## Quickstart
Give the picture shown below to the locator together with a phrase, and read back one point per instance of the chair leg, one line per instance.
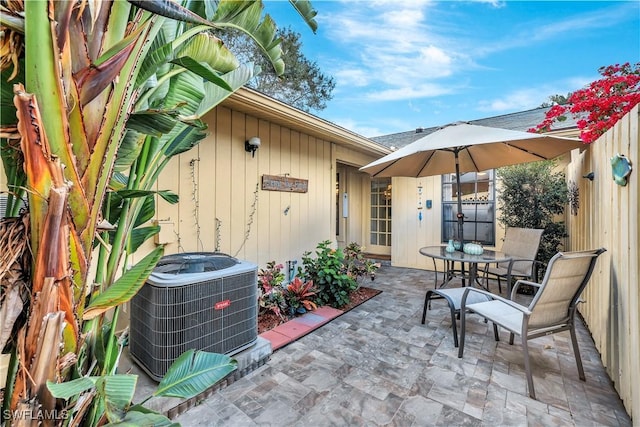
(511, 336)
(527, 368)
(426, 304)
(495, 332)
(453, 325)
(576, 352)
(499, 285)
(462, 331)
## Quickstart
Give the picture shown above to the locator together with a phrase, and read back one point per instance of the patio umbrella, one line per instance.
(462, 147)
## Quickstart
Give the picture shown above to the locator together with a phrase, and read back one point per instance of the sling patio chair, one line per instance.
(522, 244)
(552, 309)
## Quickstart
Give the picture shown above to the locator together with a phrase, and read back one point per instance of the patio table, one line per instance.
(450, 258)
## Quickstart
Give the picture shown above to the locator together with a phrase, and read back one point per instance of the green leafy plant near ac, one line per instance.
(327, 270)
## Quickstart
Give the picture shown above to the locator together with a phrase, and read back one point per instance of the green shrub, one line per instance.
(532, 195)
(328, 272)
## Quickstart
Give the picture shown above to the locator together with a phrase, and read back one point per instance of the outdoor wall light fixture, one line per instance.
(589, 176)
(252, 145)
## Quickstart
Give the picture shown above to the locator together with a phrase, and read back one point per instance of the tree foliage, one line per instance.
(599, 105)
(556, 100)
(532, 196)
(302, 85)
(97, 97)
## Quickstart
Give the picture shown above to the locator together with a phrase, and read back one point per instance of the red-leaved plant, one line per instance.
(298, 296)
(270, 289)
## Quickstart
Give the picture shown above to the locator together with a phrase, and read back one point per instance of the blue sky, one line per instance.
(401, 64)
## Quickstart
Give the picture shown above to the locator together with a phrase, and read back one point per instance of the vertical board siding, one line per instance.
(221, 213)
(206, 191)
(608, 217)
(409, 233)
(225, 178)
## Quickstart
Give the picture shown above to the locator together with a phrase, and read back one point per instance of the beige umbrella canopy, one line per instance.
(462, 147)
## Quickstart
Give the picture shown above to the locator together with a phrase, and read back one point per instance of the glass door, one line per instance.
(380, 217)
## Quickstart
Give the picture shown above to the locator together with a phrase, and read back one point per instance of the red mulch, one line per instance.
(268, 320)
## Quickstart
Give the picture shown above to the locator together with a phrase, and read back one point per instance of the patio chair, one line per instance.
(453, 296)
(522, 244)
(552, 309)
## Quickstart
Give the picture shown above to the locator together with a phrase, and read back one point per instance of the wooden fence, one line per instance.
(608, 217)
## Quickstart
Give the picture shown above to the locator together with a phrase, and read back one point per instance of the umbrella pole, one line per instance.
(460, 215)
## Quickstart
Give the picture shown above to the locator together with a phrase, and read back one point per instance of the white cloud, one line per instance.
(420, 90)
(350, 77)
(533, 97)
(359, 128)
(397, 55)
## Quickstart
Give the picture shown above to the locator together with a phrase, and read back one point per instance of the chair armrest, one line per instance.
(523, 282)
(513, 304)
(533, 262)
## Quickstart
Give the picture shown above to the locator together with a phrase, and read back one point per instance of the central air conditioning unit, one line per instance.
(202, 301)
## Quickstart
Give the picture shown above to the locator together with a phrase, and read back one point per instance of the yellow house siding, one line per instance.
(409, 234)
(608, 217)
(218, 216)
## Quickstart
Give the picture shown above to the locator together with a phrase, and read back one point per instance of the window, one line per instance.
(478, 206)
(380, 233)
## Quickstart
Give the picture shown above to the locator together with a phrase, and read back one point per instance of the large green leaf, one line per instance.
(123, 289)
(140, 235)
(146, 212)
(153, 122)
(129, 150)
(307, 12)
(117, 392)
(194, 372)
(68, 389)
(187, 91)
(167, 195)
(187, 138)
(246, 16)
(209, 49)
(199, 69)
(214, 94)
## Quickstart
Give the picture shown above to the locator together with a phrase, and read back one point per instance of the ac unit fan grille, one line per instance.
(218, 315)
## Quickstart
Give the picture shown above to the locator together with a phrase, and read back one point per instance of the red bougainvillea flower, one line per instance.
(601, 104)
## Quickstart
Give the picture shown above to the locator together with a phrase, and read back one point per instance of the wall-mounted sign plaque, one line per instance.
(284, 183)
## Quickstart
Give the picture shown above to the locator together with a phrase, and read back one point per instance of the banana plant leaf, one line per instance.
(123, 289)
(194, 372)
(208, 49)
(140, 235)
(167, 195)
(153, 122)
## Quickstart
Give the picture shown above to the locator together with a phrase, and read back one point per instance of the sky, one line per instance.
(403, 64)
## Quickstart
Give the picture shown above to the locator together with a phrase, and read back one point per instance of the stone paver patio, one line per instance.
(377, 365)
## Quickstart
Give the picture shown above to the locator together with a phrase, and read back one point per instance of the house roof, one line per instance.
(262, 106)
(522, 121)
